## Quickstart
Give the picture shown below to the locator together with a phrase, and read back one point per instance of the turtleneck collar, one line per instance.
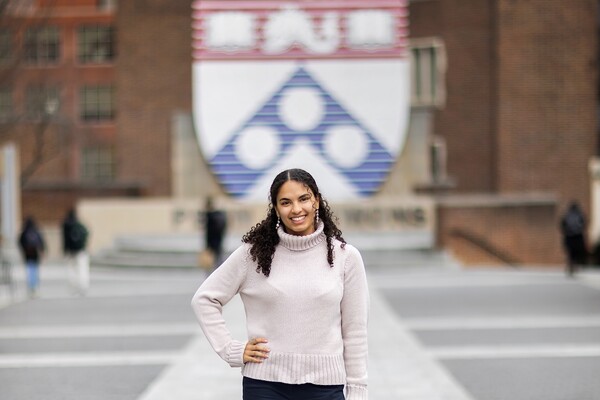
(298, 243)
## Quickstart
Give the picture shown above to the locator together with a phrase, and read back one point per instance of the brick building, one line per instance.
(520, 117)
(507, 91)
(57, 94)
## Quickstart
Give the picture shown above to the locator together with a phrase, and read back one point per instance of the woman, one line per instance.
(306, 300)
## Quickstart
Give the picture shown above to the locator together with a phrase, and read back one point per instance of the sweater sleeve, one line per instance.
(214, 293)
(355, 308)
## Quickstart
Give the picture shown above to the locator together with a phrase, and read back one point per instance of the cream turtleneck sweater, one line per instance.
(313, 315)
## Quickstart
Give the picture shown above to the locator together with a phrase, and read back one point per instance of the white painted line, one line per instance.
(86, 359)
(98, 293)
(441, 282)
(590, 280)
(74, 331)
(533, 322)
(121, 276)
(502, 352)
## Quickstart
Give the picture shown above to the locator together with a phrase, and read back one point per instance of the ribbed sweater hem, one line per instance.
(320, 369)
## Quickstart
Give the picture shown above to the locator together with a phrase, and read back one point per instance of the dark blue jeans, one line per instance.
(254, 389)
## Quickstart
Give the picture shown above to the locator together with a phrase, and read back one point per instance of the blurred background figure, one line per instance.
(215, 226)
(572, 226)
(31, 243)
(75, 236)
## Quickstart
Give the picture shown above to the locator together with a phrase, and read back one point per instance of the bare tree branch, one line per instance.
(16, 16)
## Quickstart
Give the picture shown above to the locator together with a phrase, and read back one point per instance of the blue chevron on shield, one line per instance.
(319, 85)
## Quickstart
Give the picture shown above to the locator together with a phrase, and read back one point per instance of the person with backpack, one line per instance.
(215, 225)
(572, 226)
(32, 245)
(75, 236)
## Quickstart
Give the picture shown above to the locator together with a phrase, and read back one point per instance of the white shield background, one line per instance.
(227, 94)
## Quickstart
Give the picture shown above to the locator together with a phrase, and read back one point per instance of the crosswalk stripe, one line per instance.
(94, 359)
(525, 322)
(503, 352)
(73, 331)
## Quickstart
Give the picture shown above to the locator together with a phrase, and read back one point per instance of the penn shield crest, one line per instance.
(319, 85)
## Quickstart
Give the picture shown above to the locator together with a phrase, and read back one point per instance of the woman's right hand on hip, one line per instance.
(255, 351)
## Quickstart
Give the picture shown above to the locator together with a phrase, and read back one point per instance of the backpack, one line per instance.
(573, 224)
(31, 243)
(31, 239)
(78, 235)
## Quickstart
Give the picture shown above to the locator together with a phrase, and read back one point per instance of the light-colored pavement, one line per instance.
(398, 366)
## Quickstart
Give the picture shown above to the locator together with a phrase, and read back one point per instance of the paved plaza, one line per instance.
(437, 331)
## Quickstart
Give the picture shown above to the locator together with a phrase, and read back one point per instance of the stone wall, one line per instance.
(377, 224)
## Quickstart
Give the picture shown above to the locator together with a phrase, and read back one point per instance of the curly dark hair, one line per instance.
(263, 236)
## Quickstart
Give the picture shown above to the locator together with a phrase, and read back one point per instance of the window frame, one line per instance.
(93, 111)
(98, 164)
(86, 57)
(7, 108)
(42, 45)
(6, 45)
(428, 72)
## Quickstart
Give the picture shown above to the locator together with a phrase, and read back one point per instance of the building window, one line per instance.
(98, 164)
(96, 44)
(107, 4)
(6, 104)
(42, 45)
(5, 46)
(428, 69)
(97, 103)
(41, 102)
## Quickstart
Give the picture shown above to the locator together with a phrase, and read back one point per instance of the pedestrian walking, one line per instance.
(75, 236)
(305, 294)
(215, 226)
(32, 245)
(572, 226)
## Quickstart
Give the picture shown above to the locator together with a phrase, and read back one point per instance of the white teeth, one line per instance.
(297, 218)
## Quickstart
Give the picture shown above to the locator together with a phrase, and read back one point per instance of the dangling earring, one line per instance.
(317, 217)
(278, 223)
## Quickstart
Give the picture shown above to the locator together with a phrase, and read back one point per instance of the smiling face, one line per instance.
(296, 205)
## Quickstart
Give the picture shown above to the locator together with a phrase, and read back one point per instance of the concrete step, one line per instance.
(120, 258)
(181, 250)
(403, 258)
